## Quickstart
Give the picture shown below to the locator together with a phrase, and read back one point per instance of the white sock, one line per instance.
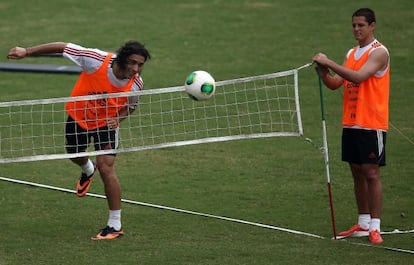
(88, 168)
(115, 219)
(364, 220)
(375, 224)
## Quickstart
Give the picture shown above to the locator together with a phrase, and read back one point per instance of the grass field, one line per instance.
(279, 182)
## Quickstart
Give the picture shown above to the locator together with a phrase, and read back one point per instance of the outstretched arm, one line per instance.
(52, 47)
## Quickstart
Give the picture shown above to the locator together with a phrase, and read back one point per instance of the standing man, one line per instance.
(98, 119)
(365, 76)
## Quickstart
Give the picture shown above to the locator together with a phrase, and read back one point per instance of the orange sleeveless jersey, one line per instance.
(92, 114)
(366, 104)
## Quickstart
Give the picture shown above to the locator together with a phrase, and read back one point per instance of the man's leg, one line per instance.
(77, 142)
(368, 193)
(373, 177)
(106, 167)
(360, 188)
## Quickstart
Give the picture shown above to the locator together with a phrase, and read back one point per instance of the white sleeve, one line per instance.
(137, 86)
(88, 59)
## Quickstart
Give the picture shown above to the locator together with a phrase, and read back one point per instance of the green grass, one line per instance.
(278, 181)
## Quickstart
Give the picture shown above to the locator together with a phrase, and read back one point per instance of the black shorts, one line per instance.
(78, 139)
(361, 146)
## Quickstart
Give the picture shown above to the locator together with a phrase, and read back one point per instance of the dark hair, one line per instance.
(367, 13)
(131, 47)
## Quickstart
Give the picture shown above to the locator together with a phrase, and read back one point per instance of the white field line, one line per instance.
(396, 231)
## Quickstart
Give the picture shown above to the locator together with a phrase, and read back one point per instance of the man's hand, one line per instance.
(112, 123)
(17, 53)
(320, 68)
(321, 59)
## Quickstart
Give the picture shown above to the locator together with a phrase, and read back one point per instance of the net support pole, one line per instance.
(326, 157)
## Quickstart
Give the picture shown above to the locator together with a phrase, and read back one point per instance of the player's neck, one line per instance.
(367, 41)
(119, 74)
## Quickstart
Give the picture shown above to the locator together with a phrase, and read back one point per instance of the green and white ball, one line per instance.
(200, 85)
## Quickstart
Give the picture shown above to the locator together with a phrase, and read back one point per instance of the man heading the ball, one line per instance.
(98, 119)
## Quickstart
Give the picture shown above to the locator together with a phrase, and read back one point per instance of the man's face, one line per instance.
(361, 29)
(134, 65)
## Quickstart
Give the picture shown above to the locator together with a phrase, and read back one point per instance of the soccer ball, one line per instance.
(200, 85)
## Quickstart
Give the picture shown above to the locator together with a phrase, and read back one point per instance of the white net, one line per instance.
(252, 107)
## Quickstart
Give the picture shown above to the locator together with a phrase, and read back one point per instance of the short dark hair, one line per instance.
(131, 47)
(367, 13)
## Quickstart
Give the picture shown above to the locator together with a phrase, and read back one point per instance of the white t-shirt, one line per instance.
(91, 59)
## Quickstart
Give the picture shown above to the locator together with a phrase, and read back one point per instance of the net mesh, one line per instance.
(252, 107)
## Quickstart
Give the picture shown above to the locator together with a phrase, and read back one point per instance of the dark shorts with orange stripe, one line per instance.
(362, 146)
(78, 139)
